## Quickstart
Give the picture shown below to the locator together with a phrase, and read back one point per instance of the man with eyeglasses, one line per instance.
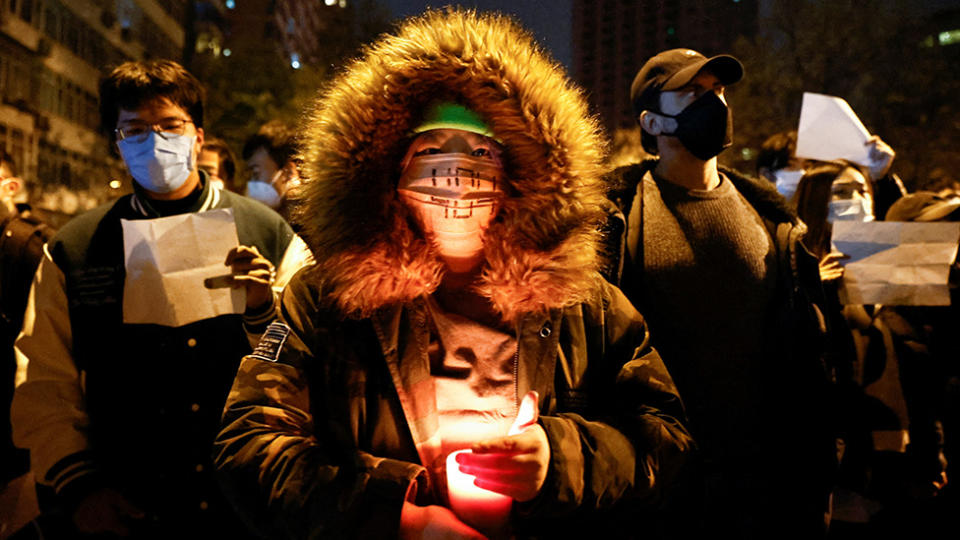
(120, 417)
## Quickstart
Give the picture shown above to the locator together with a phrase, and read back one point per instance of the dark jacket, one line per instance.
(22, 236)
(324, 433)
(334, 417)
(131, 406)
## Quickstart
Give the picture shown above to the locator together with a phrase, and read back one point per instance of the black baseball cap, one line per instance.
(675, 68)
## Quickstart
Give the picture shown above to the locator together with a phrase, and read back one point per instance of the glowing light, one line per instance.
(295, 61)
(949, 37)
(330, 2)
(231, 4)
(115, 184)
(482, 508)
(227, 52)
(343, 3)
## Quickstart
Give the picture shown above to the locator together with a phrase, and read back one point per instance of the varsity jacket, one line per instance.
(334, 416)
(130, 406)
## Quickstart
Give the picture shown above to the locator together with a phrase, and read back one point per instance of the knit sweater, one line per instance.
(709, 281)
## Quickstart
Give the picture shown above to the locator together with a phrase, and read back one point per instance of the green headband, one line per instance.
(447, 115)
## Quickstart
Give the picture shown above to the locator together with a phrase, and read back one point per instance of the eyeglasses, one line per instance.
(164, 128)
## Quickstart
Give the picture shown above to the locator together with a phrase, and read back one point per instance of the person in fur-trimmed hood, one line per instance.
(452, 195)
(715, 261)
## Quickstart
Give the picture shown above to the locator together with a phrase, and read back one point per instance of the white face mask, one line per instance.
(787, 181)
(264, 192)
(855, 209)
(453, 197)
(161, 163)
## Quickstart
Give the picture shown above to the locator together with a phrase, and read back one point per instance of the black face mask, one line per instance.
(705, 127)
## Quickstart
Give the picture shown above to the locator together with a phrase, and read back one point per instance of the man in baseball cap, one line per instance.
(713, 259)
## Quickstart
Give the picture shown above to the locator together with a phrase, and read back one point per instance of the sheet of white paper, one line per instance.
(896, 263)
(829, 130)
(167, 260)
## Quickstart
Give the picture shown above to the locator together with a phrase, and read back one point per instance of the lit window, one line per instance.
(950, 37)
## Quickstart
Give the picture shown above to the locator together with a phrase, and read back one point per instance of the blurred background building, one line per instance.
(613, 38)
(893, 60)
(52, 55)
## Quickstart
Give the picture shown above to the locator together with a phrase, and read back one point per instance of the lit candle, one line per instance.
(483, 509)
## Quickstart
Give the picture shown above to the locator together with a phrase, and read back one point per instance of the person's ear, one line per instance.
(199, 144)
(655, 124)
(9, 187)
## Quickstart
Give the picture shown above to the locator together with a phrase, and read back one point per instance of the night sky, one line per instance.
(549, 20)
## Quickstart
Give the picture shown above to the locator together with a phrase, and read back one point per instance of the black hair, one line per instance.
(134, 84)
(228, 160)
(777, 150)
(277, 139)
(812, 201)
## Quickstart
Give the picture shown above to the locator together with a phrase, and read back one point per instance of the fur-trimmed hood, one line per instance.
(540, 250)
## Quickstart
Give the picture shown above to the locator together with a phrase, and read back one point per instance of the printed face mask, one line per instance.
(161, 163)
(264, 192)
(453, 198)
(787, 181)
(705, 127)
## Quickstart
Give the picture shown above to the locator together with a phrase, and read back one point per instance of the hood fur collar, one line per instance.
(541, 249)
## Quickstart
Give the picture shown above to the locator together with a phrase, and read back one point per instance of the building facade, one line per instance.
(52, 56)
(613, 38)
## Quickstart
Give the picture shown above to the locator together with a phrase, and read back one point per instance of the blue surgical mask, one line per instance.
(161, 163)
(263, 192)
(787, 181)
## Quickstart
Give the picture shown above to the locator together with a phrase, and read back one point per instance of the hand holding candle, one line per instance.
(515, 465)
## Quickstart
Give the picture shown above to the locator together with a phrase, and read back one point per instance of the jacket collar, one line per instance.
(761, 195)
(209, 199)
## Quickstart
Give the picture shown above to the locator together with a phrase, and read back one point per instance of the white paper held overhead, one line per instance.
(830, 130)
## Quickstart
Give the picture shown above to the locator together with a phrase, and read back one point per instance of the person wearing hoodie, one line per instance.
(714, 260)
(453, 186)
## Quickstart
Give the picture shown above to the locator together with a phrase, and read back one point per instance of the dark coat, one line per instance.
(333, 418)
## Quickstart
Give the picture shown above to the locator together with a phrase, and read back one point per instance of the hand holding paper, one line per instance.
(515, 465)
(881, 157)
(254, 272)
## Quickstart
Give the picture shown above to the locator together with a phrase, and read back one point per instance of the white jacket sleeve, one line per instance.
(48, 413)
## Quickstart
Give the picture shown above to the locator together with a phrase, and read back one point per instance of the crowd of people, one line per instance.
(442, 274)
